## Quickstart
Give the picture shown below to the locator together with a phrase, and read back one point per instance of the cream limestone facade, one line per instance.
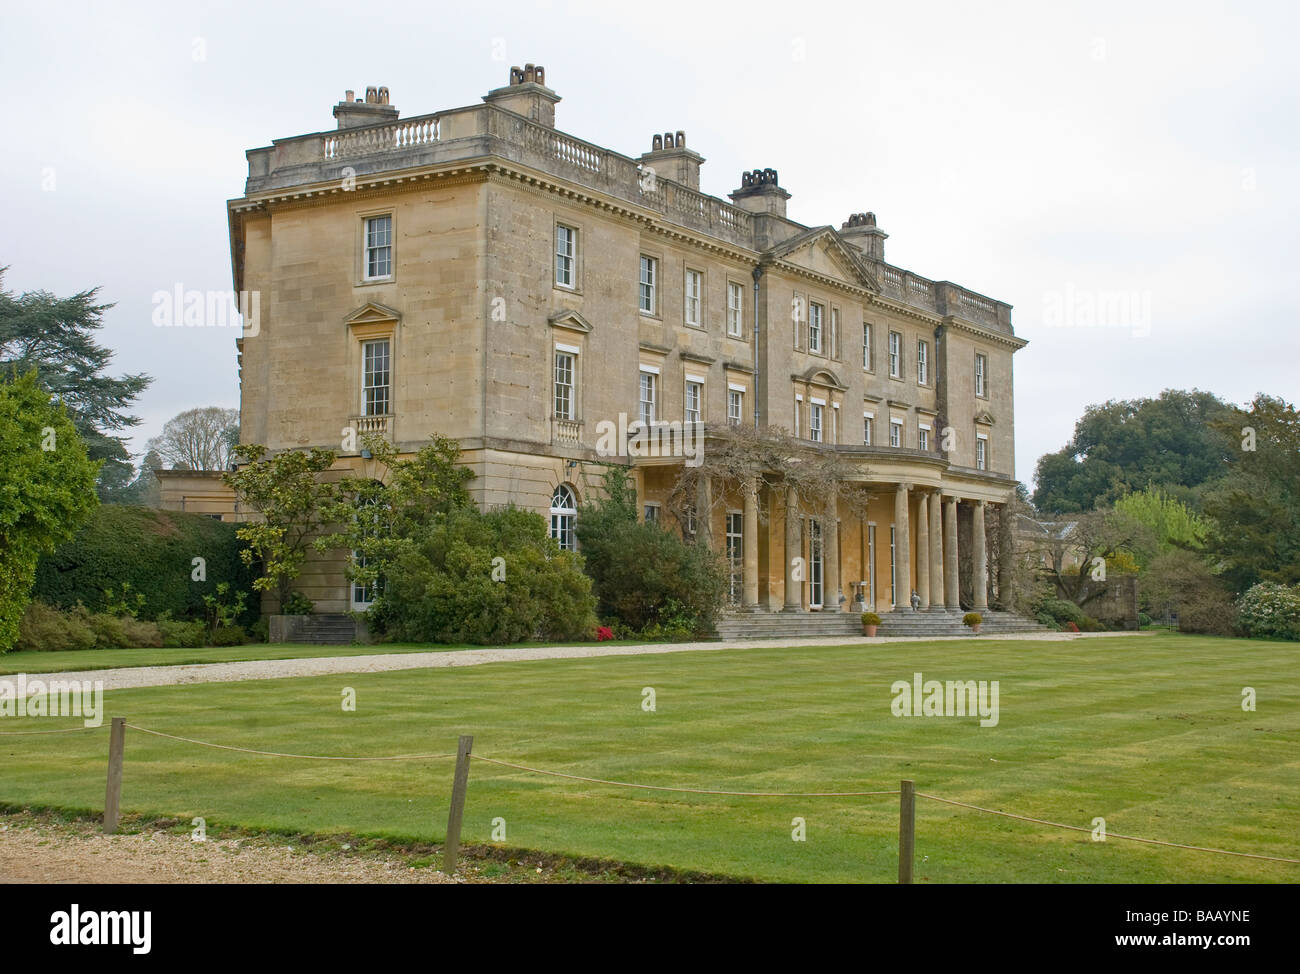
(480, 274)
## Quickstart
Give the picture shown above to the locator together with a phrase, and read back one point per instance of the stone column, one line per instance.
(704, 511)
(981, 561)
(831, 557)
(902, 544)
(923, 549)
(936, 553)
(793, 590)
(951, 590)
(750, 548)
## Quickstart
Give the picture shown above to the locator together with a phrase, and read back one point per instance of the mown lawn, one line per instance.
(1146, 731)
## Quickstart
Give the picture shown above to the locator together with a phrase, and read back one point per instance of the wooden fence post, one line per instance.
(906, 831)
(113, 794)
(451, 849)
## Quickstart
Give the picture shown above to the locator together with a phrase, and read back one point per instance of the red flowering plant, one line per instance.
(603, 633)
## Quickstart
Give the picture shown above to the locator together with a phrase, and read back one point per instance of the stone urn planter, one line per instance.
(974, 620)
(869, 622)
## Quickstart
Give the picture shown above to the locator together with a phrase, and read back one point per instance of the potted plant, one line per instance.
(869, 622)
(973, 619)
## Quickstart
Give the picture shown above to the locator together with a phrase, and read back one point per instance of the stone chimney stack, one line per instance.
(860, 230)
(759, 193)
(527, 95)
(352, 112)
(669, 158)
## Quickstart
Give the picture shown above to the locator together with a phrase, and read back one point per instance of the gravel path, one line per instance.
(158, 676)
(57, 853)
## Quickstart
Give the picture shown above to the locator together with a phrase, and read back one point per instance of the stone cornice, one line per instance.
(959, 324)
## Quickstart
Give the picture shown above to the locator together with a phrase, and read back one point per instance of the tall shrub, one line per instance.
(643, 573)
(47, 485)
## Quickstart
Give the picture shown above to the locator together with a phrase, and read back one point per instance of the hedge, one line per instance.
(153, 552)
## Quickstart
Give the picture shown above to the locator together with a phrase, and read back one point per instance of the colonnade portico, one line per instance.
(923, 515)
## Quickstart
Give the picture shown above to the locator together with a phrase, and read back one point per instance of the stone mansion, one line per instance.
(479, 273)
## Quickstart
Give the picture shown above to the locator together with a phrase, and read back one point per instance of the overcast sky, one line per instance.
(1140, 158)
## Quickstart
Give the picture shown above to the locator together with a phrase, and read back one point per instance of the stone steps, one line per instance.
(325, 630)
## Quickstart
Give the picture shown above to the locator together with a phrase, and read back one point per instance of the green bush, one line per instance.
(229, 636)
(110, 631)
(643, 573)
(259, 632)
(46, 629)
(1061, 611)
(972, 619)
(181, 635)
(146, 553)
(1270, 611)
(447, 585)
(298, 604)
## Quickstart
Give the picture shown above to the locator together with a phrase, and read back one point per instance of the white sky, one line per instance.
(1045, 154)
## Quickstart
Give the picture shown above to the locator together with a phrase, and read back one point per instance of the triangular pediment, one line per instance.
(985, 418)
(822, 251)
(372, 311)
(570, 319)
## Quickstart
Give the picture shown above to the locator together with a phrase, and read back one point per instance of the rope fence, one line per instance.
(464, 753)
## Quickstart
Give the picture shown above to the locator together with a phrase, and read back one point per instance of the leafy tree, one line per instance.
(55, 338)
(286, 489)
(1256, 508)
(198, 439)
(1183, 583)
(47, 485)
(377, 520)
(642, 572)
(1100, 539)
(1169, 524)
(1172, 442)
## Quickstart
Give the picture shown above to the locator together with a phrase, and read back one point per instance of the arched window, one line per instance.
(370, 519)
(564, 513)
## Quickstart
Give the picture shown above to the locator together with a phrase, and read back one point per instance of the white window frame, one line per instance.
(693, 291)
(922, 362)
(564, 517)
(981, 451)
(868, 351)
(650, 512)
(735, 405)
(923, 437)
(895, 355)
(369, 372)
(816, 320)
(377, 244)
(648, 287)
(569, 387)
(566, 261)
(648, 395)
(735, 309)
(868, 428)
(815, 411)
(834, 347)
(697, 383)
(981, 375)
(895, 433)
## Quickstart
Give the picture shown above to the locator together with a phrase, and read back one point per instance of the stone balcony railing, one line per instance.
(567, 432)
(373, 426)
(484, 131)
